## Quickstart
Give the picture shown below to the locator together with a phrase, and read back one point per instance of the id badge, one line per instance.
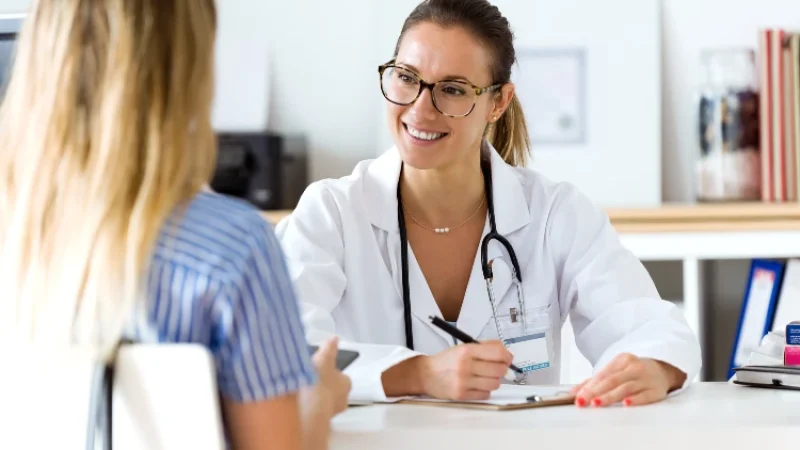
(530, 352)
(528, 337)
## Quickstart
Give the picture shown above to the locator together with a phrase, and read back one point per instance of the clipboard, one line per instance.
(507, 398)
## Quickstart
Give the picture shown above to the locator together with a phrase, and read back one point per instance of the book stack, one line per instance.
(779, 67)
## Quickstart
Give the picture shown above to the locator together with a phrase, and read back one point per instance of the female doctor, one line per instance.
(420, 232)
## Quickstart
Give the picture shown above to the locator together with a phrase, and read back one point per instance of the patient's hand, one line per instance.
(631, 380)
(321, 402)
(331, 392)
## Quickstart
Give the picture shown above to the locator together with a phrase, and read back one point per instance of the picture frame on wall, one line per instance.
(551, 83)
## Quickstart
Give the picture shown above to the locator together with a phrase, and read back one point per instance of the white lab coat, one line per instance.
(342, 246)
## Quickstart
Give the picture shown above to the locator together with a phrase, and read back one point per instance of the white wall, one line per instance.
(316, 61)
(13, 6)
(324, 79)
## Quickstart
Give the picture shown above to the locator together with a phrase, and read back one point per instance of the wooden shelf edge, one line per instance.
(702, 212)
(708, 226)
(775, 218)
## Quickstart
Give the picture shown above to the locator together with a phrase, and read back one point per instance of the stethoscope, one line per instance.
(486, 265)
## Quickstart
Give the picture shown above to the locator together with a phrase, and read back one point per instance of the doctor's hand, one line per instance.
(630, 380)
(466, 371)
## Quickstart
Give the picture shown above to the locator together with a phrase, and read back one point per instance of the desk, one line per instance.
(707, 415)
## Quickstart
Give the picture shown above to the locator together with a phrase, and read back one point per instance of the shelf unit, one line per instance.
(692, 235)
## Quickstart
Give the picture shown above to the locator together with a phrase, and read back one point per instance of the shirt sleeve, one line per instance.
(261, 350)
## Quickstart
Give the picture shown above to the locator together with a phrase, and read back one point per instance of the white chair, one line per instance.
(164, 397)
(48, 399)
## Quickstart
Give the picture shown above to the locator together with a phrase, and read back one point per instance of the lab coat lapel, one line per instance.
(512, 214)
(380, 191)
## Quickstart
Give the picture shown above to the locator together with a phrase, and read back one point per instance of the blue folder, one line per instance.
(758, 309)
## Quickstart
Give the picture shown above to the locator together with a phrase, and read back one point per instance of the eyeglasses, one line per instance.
(454, 98)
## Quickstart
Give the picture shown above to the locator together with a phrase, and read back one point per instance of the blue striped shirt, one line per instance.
(218, 278)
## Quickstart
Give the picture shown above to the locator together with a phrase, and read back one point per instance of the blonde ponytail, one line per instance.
(509, 135)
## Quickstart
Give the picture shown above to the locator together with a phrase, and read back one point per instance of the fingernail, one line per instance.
(596, 402)
(580, 401)
(626, 402)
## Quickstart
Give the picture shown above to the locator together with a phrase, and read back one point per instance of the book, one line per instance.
(779, 114)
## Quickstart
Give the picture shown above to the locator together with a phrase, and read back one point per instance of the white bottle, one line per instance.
(770, 352)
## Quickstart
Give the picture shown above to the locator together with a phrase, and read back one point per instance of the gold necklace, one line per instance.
(445, 229)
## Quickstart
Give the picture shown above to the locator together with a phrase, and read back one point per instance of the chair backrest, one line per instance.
(48, 398)
(165, 397)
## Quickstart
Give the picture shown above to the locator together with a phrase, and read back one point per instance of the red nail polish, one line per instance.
(596, 402)
(580, 401)
(626, 402)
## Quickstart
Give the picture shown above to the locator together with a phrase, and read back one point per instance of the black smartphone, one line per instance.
(343, 357)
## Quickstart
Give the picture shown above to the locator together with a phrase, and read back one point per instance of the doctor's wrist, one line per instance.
(405, 378)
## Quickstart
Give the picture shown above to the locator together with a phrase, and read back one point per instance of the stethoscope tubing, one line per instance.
(486, 266)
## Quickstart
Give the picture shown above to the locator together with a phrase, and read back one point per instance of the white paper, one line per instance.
(511, 394)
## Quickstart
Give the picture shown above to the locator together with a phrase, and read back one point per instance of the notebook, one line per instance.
(777, 377)
(507, 397)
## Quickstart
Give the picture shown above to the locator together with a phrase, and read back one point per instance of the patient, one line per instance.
(105, 228)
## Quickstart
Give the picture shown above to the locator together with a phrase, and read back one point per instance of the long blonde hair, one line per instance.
(104, 130)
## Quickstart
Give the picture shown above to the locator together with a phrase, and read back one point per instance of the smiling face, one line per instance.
(426, 138)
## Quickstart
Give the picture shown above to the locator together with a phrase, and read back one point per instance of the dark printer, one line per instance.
(267, 169)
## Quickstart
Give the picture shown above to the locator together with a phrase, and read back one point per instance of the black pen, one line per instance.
(461, 336)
